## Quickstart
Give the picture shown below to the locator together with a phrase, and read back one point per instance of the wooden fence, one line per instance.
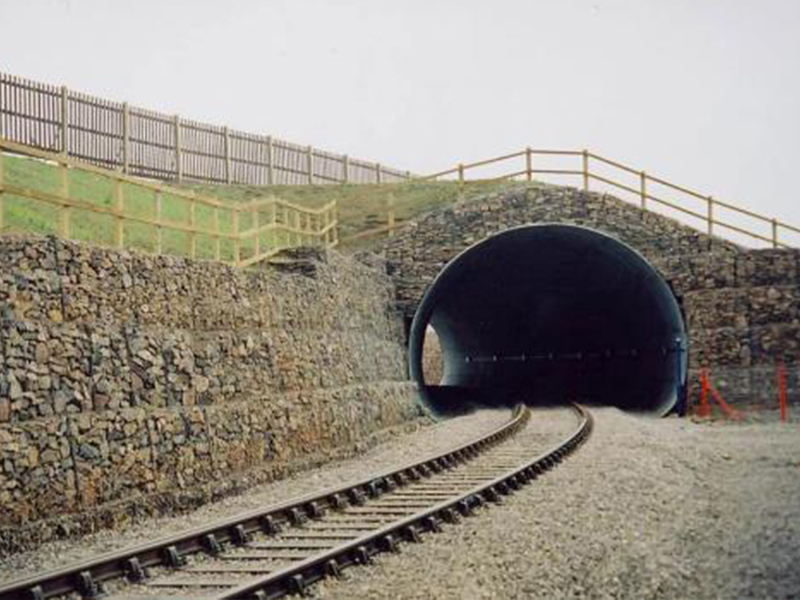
(702, 211)
(83, 202)
(149, 144)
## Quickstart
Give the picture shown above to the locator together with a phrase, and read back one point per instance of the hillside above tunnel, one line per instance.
(425, 245)
(740, 307)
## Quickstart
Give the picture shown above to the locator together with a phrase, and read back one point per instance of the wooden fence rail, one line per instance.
(751, 226)
(126, 212)
(149, 144)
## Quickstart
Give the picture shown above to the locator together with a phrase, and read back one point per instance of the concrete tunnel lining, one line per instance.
(550, 313)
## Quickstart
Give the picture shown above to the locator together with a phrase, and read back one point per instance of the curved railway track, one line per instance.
(284, 548)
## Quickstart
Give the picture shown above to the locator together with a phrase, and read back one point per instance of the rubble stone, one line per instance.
(131, 381)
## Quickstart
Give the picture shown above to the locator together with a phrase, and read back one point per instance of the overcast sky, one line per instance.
(703, 92)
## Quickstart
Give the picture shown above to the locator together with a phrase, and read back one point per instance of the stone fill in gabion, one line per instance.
(131, 382)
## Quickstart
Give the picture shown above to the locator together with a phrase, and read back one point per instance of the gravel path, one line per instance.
(646, 509)
(431, 438)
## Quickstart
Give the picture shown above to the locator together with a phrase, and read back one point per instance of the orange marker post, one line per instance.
(729, 411)
(782, 391)
(704, 409)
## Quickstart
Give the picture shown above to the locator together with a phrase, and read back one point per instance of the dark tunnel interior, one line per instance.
(546, 314)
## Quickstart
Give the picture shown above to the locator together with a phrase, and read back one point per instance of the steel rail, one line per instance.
(86, 577)
(295, 578)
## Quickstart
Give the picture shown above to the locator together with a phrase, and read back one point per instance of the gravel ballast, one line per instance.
(428, 439)
(646, 509)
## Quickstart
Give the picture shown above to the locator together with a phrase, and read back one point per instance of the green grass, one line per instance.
(364, 207)
(26, 215)
(360, 207)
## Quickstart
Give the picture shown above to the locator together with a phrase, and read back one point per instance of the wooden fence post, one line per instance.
(585, 170)
(529, 163)
(257, 250)
(237, 248)
(178, 158)
(273, 231)
(643, 189)
(159, 233)
(216, 232)
(774, 233)
(64, 120)
(310, 164)
(2, 107)
(346, 169)
(227, 140)
(270, 161)
(126, 138)
(710, 216)
(287, 235)
(119, 207)
(460, 173)
(324, 234)
(335, 228)
(390, 215)
(378, 178)
(192, 234)
(2, 202)
(313, 229)
(63, 210)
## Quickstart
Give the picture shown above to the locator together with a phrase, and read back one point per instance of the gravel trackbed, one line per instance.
(647, 508)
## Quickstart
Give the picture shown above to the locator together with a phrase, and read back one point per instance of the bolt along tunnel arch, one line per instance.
(550, 313)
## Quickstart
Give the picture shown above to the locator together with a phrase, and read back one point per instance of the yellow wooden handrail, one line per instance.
(642, 193)
(315, 226)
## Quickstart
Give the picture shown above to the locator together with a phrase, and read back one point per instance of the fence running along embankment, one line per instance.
(147, 143)
(82, 202)
(702, 211)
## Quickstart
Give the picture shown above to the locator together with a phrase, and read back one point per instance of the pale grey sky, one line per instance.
(703, 92)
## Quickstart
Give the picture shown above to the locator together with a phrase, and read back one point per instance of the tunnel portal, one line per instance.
(550, 313)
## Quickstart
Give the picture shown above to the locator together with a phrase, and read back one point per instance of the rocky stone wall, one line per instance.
(743, 316)
(742, 307)
(133, 383)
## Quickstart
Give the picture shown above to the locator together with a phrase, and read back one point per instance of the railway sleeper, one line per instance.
(239, 536)
(269, 525)
(173, 558)
(411, 534)
(389, 544)
(88, 588)
(295, 517)
(337, 502)
(332, 569)
(316, 509)
(211, 544)
(134, 571)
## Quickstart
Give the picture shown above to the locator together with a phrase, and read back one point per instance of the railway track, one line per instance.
(284, 548)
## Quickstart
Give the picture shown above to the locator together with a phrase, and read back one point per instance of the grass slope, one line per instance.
(24, 215)
(361, 207)
(365, 207)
